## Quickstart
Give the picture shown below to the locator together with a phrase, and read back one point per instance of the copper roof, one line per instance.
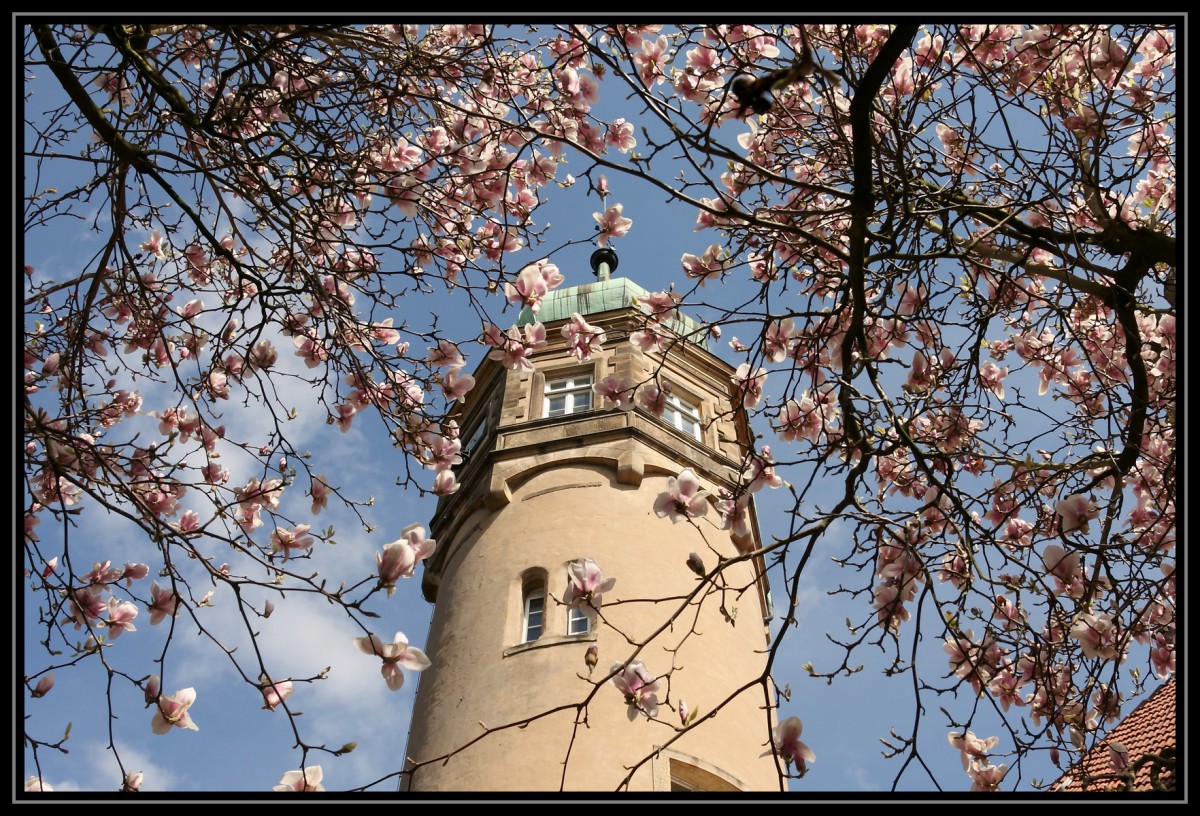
(603, 296)
(1149, 729)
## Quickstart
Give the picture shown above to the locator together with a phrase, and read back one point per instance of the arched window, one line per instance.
(688, 776)
(533, 609)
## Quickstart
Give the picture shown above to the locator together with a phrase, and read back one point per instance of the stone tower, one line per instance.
(551, 476)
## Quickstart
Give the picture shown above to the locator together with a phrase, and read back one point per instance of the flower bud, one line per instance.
(51, 364)
(43, 685)
(153, 689)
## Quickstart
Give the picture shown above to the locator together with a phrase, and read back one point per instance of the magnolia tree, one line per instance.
(949, 253)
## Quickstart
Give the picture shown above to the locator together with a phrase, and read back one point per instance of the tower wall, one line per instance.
(538, 492)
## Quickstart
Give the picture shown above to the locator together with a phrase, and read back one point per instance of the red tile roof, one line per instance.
(1149, 729)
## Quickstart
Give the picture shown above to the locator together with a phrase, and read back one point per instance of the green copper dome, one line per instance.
(607, 295)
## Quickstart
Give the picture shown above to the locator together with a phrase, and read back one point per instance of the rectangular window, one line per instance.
(569, 395)
(682, 415)
(577, 622)
(535, 612)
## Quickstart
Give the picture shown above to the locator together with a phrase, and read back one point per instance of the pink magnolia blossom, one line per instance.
(444, 483)
(649, 339)
(758, 471)
(801, 420)
(163, 602)
(87, 606)
(1100, 636)
(616, 393)
(132, 782)
(967, 660)
(276, 693)
(663, 304)
(1162, 655)
(652, 60)
(683, 499)
(399, 559)
(1005, 686)
(583, 339)
(749, 386)
(639, 686)
(34, 784)
(778, 340)
(442, 452)
(288, 541)
(395, 654)
(172, 710)
(320, 493)
(653, 398)
(301, 781)
(735, 514)
(532, 284)
(263, 494)
(1017, 533)
(31, 523)
(445, 355)
(712, 263)
(612, 224)
(116, 86)
(986, 777)
(1075, 511)
(120, 617)
(345, 416)
(971, 746)
(528, 290)
(586, 586)
(786, 739)
(1066, 569)
(507, 348)
(1007, 612)
(455, 384)
(959, 155)
(992, 378)
(1118, 756)
(154, 244)
(263, 355)
(103, 573)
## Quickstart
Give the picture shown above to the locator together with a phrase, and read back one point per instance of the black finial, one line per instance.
(604, 256)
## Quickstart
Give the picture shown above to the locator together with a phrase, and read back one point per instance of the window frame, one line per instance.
(572, 389)
(574, 616)
(534, 591)
(680, 411)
